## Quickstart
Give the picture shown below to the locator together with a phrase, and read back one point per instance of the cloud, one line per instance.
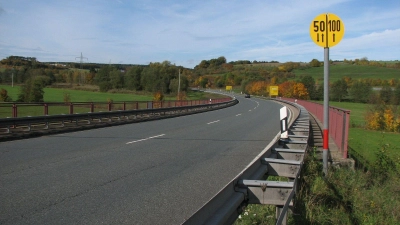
(188, 32)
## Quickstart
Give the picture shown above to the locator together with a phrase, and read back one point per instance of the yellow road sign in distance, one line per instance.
(327, 30)
(273, 90)
(228, 88)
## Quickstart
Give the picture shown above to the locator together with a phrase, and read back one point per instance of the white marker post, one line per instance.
(326, 30)
(283, 117)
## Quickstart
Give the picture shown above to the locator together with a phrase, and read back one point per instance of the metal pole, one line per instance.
(326, 112)
(179, 84)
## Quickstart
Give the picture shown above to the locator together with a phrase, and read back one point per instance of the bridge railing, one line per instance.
(338, 122)
(16, 109)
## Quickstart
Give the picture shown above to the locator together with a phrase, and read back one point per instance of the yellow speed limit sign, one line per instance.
(327, 30)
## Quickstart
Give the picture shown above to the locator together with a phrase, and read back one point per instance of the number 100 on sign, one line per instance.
(327, 30)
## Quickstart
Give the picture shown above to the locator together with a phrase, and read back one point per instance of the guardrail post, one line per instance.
(109, 106)
(46, 110)
(14, 111)
(124, 106)
(91, 107)
(278, 214)
(71, 108)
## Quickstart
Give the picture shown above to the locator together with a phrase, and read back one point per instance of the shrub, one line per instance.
(67, 97)
(4, 96)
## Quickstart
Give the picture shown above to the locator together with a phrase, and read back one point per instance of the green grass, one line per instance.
(346, 196)
(357, 114)
(367, 142)
(336, 72)
(57, 95)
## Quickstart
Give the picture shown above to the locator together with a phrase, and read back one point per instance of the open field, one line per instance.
(354, 71)
(367, 142)
(357, 112)
(57, 95)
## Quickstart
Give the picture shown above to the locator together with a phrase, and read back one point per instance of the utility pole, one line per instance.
(179, 84)
(12, 77)
(81, 61)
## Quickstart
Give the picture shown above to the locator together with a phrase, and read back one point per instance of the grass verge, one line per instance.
(346, 196)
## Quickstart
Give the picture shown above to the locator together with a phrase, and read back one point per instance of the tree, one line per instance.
(257, 88)
(204, 82)
(37, 91)
(360, 91)
(4, 96)
(315, 63)
(319, 92)
(300, 91)
(386, 94)
(286, 89)
(309, 83)
(116, 79)
(133, 77)
(103, 78)
(31, 91)
(396, 95)
(174, 83)
(339, 90)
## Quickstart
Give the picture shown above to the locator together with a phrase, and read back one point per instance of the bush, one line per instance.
(4, 96)
(31, 91)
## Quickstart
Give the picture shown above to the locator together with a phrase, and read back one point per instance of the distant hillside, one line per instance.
(355, 72)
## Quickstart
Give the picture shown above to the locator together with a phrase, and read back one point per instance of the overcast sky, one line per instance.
(188, 31)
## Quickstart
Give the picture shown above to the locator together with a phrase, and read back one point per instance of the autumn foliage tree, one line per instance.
(257, 88)
(292, 89)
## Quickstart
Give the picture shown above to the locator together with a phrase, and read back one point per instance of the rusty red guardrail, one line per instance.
(338, 122)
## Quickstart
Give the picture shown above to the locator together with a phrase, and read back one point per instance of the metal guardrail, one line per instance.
(18, 109)
(282, 157)
(47, 122)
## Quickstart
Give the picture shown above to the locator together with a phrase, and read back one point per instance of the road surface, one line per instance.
(157, 172)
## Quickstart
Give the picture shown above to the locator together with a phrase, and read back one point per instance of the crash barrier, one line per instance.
(338, 122)
(282, 157)
(65, 121)
(53, 108)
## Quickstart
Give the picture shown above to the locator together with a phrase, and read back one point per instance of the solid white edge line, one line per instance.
(145, 139)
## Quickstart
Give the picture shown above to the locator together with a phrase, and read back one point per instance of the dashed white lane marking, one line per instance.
(145, 139)
(213, 122)
(239, 114)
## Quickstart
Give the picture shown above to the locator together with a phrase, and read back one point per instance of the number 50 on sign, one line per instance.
(327, 30)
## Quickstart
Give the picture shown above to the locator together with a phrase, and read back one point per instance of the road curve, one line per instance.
(157, 172)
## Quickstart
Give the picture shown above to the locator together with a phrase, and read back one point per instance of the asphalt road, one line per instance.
(157, 172)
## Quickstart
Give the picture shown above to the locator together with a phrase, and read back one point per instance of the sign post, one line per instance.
(326, 30)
